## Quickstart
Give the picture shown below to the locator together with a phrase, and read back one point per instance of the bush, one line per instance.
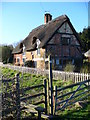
(69, 68)
(85, 68)
(6, 54)
(30, 63)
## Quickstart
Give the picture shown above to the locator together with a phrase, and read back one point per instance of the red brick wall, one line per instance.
(16, 57)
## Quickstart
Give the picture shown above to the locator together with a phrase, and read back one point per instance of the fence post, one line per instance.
(17, 97)
(50, 85)
(55, 98)
(45, 91)
(48, 96)
(54, 92)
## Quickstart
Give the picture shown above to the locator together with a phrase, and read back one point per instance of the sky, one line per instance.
(19, 18)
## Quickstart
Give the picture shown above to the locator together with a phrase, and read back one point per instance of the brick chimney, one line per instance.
(47, 18)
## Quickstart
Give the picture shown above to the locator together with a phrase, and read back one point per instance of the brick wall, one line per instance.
(18, 59)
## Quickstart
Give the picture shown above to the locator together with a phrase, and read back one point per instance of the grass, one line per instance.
(75, 114)
(27, 79)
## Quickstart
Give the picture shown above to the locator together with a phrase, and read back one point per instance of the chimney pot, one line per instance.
(47, 18)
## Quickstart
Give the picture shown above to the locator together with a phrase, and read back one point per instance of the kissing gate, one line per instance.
(55, 98)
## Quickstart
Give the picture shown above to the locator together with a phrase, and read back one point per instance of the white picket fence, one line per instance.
(76, 77)
(57, 75)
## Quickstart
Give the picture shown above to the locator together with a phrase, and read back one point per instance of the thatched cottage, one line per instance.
(56, 37)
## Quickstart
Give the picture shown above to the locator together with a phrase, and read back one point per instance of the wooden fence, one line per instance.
(9, 93)
(57, 75)
(13, 96)
(66, 96)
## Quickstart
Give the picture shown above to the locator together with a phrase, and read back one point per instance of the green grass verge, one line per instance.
(27, 80)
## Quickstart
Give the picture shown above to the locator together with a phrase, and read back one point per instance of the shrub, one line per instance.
(30, 63)
(85, 67)
(69, 68)
(78, 64)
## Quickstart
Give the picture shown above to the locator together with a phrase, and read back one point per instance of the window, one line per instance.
(14, 59)
(34, 40)
(52, 61)
(18, 60)
(24, 60)
(21, 45)
(65, 41)
(73, 61)
(57, 61)
(32, 55)
(35, 62)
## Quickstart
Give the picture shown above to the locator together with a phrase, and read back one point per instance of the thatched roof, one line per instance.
(87, 54)
(44, 33)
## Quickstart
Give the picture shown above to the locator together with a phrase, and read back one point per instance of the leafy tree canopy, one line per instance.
(85, 38)
(6, 53)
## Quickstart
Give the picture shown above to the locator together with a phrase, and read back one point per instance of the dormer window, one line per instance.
(34, 40)
(38, 49)
(38, 43)
(21, 45)
(23, 48)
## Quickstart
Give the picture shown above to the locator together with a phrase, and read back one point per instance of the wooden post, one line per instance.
(55, 88)
(54, 99)
(50, 85)
(17, 97)
(48, 96)
(45, 91)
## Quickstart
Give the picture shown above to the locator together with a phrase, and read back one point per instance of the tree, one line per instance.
(0, 54)
(16, 43)
(6, 54)
(85, 38)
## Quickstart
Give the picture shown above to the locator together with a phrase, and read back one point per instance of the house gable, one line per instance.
(66, 30)
(64, 44)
